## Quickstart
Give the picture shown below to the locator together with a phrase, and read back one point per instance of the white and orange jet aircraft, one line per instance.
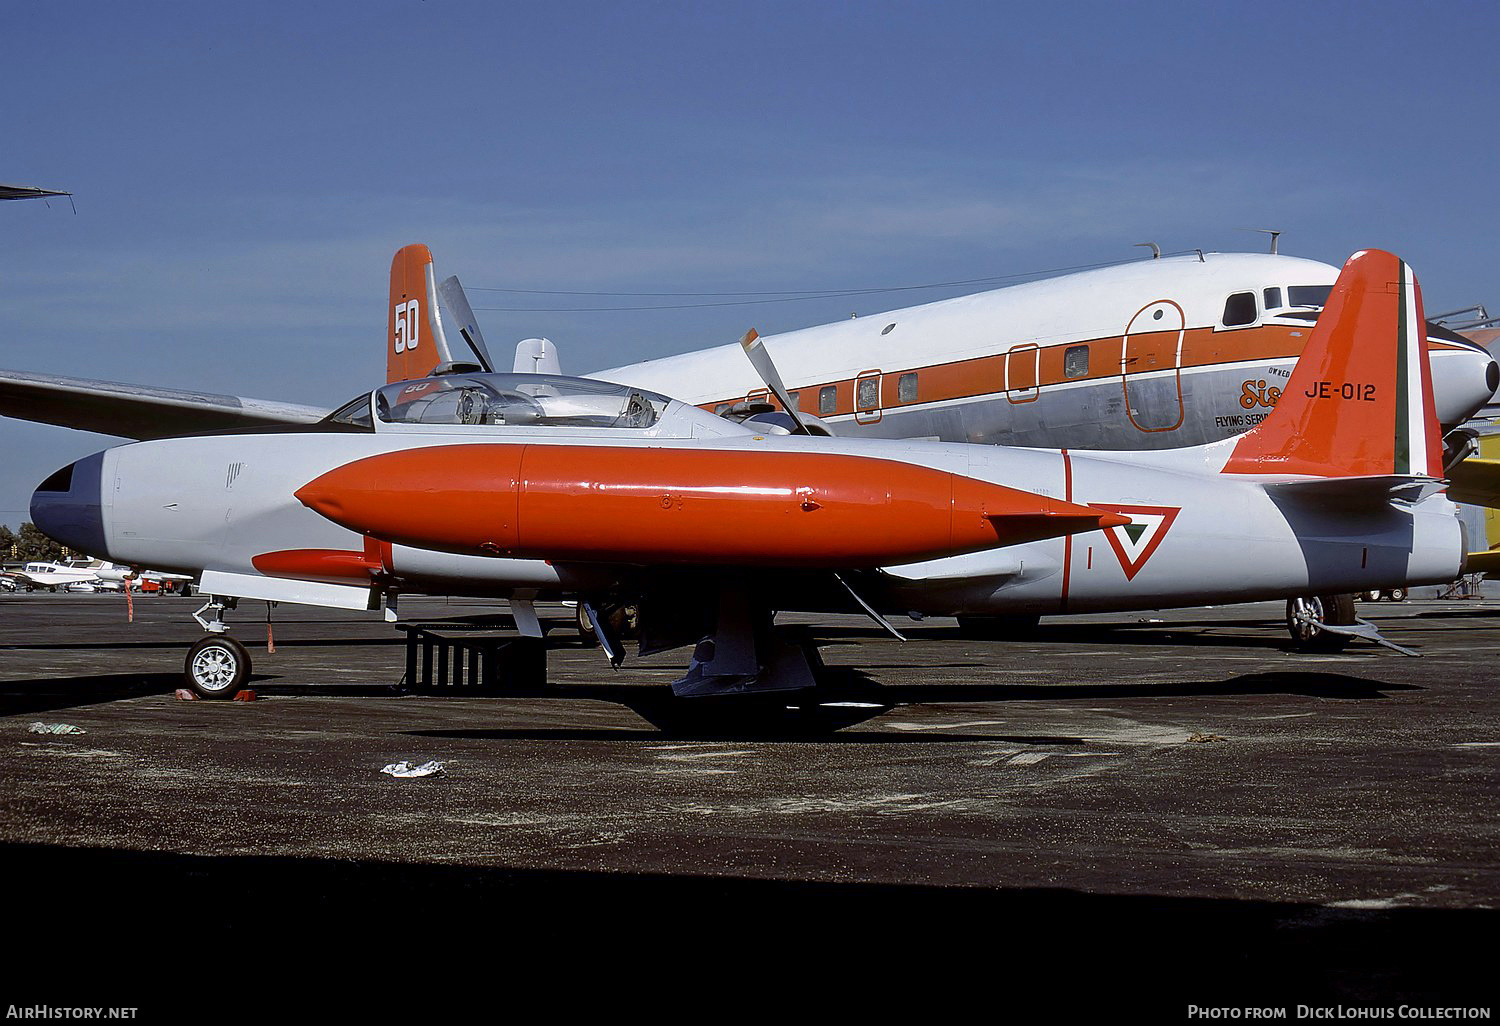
(539, 486)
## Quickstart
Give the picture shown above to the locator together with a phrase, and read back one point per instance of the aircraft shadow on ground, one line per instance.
(1196, 635)
(849, 737)
(1170, 949)
(1456, 614)
(44, 694)
(849, 697)
(75, 646)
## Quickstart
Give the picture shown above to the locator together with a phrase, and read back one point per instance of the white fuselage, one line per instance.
(1155, 354)
(1199, 536)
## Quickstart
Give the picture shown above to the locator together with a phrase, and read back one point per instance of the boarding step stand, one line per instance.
(1358, 629)
(464, 657)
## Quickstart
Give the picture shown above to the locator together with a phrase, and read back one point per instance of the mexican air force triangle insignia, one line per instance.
(1136, 541)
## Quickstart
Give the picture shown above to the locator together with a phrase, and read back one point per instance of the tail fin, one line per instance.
(536, 356)
(415, 344)
(1359, 402)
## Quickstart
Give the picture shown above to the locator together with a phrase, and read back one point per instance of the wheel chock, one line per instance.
(244, 696)
(186, 695)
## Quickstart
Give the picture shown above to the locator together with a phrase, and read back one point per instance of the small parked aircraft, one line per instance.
(53, 575)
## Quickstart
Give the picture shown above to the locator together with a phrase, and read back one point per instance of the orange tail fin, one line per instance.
(1359, 402)
(415, 344)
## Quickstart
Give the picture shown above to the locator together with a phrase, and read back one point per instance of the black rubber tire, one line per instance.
(217, 667)
(1396, 594)
(998, 628)
(586, 633)
(1335, 609)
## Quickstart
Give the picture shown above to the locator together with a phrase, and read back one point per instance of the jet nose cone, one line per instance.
(67, 506)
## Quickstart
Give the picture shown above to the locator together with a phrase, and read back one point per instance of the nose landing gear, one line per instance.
(216, 666)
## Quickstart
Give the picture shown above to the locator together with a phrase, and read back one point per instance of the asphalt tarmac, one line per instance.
(1135, 812)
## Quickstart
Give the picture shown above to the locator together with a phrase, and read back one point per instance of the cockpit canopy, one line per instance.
(508, 399)
(1301, 302)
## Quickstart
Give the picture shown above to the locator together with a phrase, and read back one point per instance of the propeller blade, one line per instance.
(760, 359)
(458, 305)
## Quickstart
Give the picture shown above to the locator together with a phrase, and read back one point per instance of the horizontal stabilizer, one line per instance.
(139, 411)
(1350, 494)
(1475, 481)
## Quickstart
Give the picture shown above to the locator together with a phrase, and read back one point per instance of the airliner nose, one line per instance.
(1464, 380)
(67, 507)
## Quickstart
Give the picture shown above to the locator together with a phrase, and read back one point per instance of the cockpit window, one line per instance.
(1308, 295)
(514, 399)
(1239, 309)
(354, 413)
(1273, 298)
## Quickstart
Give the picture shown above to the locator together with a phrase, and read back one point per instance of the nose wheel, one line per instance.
(217, 667)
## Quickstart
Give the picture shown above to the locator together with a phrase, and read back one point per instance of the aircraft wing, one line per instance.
(1487, 562)
(12, 192)
(139, 411)
(1475, 481)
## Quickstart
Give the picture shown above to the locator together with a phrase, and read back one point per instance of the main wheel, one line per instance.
(1396, 594)
(217, 667)
(1337, 610)
(586, 632)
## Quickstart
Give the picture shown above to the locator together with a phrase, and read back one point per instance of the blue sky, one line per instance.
(244, 173)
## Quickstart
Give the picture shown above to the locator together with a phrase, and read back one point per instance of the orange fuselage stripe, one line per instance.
(986, 375)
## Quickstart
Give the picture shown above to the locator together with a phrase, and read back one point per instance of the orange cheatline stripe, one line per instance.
(985, 375)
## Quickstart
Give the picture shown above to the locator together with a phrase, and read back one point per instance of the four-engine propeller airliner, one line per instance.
(541, 486)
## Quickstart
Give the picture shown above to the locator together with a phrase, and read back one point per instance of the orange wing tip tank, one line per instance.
(666, 505)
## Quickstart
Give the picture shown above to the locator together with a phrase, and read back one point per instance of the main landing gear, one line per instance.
(1307, 617)
(1326, 623)
(217, 666)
